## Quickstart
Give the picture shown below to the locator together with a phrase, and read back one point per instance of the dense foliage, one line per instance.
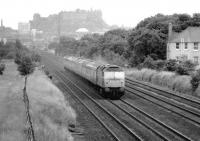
(21, 51)
(7, 50)
(132, 47)
(195, 80)
(150, 36)
(111, 47)
(26, 66)
(2, 68)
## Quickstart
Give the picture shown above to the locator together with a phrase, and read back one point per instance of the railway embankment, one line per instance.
(49, 112)
(169, 81)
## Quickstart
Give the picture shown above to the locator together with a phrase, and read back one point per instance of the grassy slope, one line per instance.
(51, 114)
(12, 111)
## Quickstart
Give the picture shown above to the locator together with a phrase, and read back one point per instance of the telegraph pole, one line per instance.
(58, 30)
(59, 26)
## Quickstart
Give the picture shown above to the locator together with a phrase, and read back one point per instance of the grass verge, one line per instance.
(170, 80)
(51, 114)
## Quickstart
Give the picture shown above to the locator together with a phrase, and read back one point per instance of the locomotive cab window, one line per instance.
(114, 69)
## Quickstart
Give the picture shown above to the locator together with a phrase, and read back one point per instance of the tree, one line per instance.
(25, 67)
(151, 34)
(35, 57)
(145, 42)
(148, 63)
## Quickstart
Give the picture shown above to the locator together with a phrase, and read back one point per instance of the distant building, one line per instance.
(184, 45)
(37, 34)
(24, 28)
(81, 32)
(7, 34)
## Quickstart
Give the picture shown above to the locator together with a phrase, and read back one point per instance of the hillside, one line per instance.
(69, 21)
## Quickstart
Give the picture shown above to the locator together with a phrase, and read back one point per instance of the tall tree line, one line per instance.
(147, 39)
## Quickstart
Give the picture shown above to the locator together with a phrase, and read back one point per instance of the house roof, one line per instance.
(190, 34)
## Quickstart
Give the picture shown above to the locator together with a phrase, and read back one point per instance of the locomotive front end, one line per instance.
(114, 81)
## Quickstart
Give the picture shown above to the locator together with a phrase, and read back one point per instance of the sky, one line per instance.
(115, 12)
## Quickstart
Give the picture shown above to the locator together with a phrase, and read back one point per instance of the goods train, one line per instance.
(109, 79)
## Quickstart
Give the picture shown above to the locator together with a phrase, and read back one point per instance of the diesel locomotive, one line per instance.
(109, 79)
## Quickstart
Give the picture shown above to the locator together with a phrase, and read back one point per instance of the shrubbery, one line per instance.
(181, 70)
(153, 64)
(159, 64)
(2, 68)
(180, 67)
(185, 67)
(36, 57)
(170, 65)
(179, 83)
(148, 63)
(195, 80)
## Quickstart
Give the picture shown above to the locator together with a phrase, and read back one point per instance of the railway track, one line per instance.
(113, 125)
(185, 100)
(171, 104)
(161, 137)
(151, 123)
(118, 109)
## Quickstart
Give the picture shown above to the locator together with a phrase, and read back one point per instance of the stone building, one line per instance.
(184, 45)
(7, 34)
(24, 28)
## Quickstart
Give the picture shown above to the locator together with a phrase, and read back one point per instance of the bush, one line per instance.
(181, 84)
(163, 78)
(171, 65)
(182, 70)
(36, 57)
(190, 65)
(134, 60)
(195, 80)
(148, 63)
(26, 66)
(185, 67)
(147, 74)
(18, 58)
(2, 68)
(159, 64)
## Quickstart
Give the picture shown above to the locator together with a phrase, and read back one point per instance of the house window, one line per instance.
(196, 59)
(186, 45)
(177, 45)
(195, 46)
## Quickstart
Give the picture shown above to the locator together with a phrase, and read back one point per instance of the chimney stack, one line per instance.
(169, 30)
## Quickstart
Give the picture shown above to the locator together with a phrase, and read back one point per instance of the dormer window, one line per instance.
(195, 46)
(177, 45)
